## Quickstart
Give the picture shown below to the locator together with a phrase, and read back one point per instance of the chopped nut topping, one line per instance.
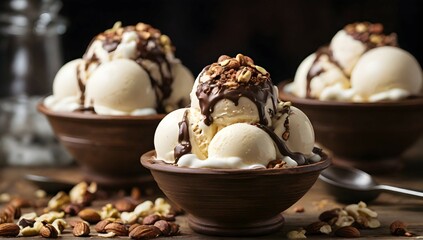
(371, 34)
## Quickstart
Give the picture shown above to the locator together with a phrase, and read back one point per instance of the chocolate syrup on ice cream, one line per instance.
(226, 82)
(151, 45)
(184, 144)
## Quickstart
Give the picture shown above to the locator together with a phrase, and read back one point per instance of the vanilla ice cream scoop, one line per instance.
(236, 121)
(295, 129)
(235, 90)
(120, 87)
(166, 135)
(386, 73)
(161, 83)
(66, 91)
(235, 146)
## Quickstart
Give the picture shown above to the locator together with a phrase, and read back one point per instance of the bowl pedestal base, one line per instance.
(236, 230)
(375, 166)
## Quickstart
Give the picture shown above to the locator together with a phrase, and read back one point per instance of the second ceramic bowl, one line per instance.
(370, 136)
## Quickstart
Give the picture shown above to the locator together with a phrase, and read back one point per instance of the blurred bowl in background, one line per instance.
(369, 136)
(107, 148)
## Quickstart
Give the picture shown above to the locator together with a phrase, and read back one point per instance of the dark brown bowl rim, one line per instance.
(84, 116)
(146, 161)
(414, 101)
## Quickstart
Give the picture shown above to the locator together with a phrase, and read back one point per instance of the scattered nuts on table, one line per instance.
(120, 219)
(48, 231)
(90, 215)
(318, 228)
(124, 205)
(145, 232)
(117, 227)
(81, 229)
(399, 228)
(9, 230)
(347, 232)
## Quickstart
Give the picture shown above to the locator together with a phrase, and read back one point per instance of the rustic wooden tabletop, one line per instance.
(389, 207)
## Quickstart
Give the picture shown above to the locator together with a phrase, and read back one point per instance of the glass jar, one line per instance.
(30, 56)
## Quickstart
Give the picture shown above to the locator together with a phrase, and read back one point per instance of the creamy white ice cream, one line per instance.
(120, 87)
(125, 71)
(359, 65)
(386, 73)
(235, 121)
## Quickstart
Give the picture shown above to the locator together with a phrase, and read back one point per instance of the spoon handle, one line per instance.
(403, 191)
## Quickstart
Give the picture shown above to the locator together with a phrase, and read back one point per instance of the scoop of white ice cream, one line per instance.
(65, 82)
(121, 87)
(66, 91)
(295, 129)
(242, 93)
(346, 50)
(299, 85)
(386, 73)
(236, 147)
(166, 135)
(200, 133)
(330, 75)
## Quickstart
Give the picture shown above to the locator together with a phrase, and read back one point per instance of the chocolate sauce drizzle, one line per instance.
(210, 93)
(184, 144)
(149, 47)
(316, 70)
(283, 149)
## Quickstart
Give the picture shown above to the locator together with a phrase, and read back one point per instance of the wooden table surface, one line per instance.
(389, 207)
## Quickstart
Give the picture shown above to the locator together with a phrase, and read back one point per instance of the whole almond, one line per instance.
(9, 230)
(124, 205)
(133, 226)
(90, 215)
(151, 219)
(81, 229)
(118, 228)
(48, 231)
(145, 232)
(347, 232)
(100, 226)
(164, 227)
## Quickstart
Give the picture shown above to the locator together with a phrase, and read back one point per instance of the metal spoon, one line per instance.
(353, 185)
(49, 184)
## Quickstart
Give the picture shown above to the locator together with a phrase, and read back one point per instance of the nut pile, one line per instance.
(126, 217)
(341, 222)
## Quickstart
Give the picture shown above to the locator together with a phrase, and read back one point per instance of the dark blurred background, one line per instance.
(278, 35)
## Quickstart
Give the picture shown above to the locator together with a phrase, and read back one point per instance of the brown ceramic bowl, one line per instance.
(233, 202)
(107, 148)
(370, 136)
